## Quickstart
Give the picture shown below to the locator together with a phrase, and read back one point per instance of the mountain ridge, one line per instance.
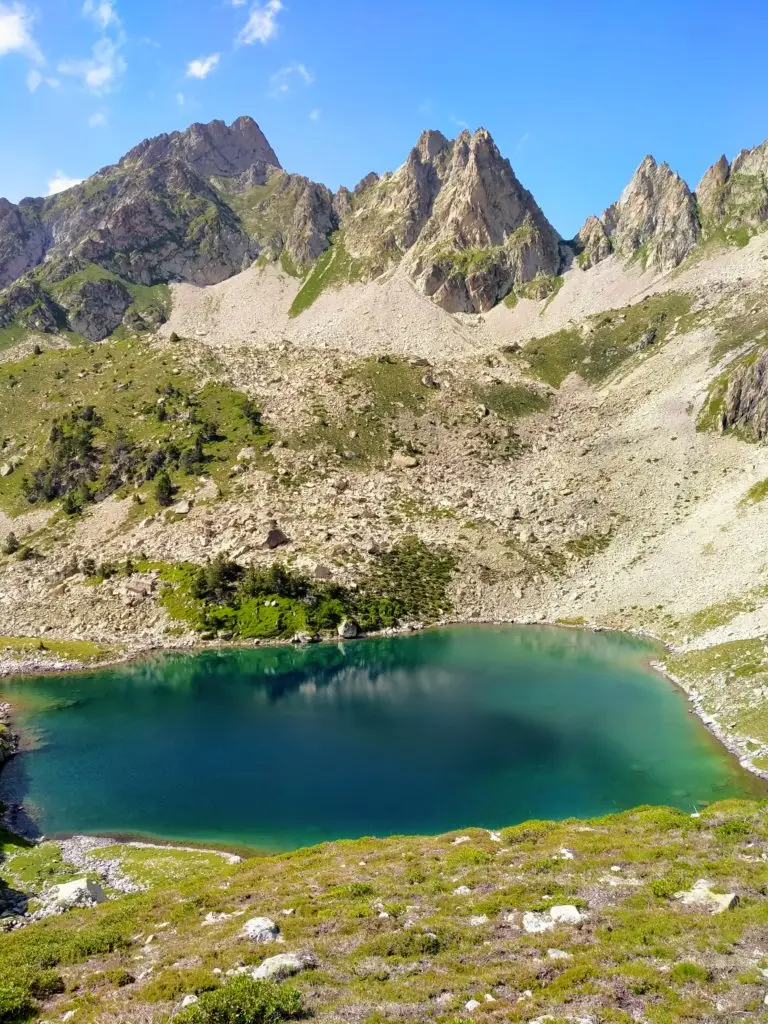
(203, 204)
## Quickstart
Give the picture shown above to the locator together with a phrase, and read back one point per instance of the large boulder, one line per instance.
(261, 929)
(284, 965)
(80, 893)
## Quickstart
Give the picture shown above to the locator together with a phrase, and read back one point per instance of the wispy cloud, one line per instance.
(35, 79)
(16, 32)
(458, 122)
(60, 183)
(102, 12)
(314, 115)
(100, 72)
(262, 23)
(523, 141)
(97, 120)
(203, 66)
(281, 83)
(181, 99)
(425, 107)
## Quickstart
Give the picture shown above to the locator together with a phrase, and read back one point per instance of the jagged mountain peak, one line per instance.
(655, 220)
(212, 149)
(733, 197)
(457, 217)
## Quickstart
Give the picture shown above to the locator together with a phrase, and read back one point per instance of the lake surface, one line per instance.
(280, 747)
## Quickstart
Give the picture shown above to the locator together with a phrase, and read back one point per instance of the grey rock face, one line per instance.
(746, 399)
(655, 219)
(23, 239)
(28, 304)
(209, 149)
(735, 196)
(594, 243)
(96, 308)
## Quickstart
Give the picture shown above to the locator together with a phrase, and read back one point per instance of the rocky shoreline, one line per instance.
(9, 740)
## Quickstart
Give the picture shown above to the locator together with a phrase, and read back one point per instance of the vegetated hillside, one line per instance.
(604, 920)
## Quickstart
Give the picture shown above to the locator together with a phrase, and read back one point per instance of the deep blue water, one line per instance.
(279, 748)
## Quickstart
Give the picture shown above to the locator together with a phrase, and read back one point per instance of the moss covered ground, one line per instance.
(606, 340)
(412, 929)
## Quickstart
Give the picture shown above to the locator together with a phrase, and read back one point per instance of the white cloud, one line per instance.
(203, 66)
(35, 80)
(314, 115)
(102, 12)
(181, 99)
(16, 32)
(523, 141)
(60, 183)
(97, 120)
(262, 23)
(280, 82)
(101, 72)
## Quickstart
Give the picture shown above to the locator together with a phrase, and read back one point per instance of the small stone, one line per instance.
(260, 929)
(275, 539)
(478, 919)
(347, 629)
(181, 508)
(189, 1000)
(463, 890)
(322, 572)
(402, 461)
(558, 954)
(473, 1004)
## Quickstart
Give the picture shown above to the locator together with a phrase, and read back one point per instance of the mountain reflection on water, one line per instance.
(279, 747)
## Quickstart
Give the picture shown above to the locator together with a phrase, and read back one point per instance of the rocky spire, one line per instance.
(655, 218)
(455, 213)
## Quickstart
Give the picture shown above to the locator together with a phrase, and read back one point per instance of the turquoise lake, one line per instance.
(277, 748)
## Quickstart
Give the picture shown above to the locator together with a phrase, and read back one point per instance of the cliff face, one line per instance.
(746, 400)
(464, 226)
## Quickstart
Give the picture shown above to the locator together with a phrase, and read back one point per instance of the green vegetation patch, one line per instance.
(588, 544)
(83, 422)
(334, 268)
(385, 395)
(733, 673)
(408, 582)
(606, 340)
(70, 650)
(757, 492)
(512, 401)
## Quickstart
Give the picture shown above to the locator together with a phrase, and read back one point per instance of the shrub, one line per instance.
(15, 1004)
(245, 1001)
(11, 545)
(163, 489)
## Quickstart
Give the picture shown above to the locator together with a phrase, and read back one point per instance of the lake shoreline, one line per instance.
(734, 745)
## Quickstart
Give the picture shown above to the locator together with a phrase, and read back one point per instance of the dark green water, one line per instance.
(278, 748)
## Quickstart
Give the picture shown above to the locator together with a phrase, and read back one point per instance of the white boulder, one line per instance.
(566, 915)
(261, 929)
(347, 629)
(284, 965)
(702, 897)
(80, 893)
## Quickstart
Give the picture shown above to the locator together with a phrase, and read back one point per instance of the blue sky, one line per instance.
(575, 93)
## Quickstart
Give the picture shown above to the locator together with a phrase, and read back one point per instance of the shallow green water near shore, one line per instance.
(279, 748)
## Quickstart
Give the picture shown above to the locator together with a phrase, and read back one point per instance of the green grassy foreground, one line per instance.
(415, 928)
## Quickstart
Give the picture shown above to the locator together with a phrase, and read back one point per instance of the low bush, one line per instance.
(245, 1001)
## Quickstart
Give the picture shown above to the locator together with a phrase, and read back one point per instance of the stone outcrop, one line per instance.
(654, 221)
(465, 228)
(745, 405)
(96, 308)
